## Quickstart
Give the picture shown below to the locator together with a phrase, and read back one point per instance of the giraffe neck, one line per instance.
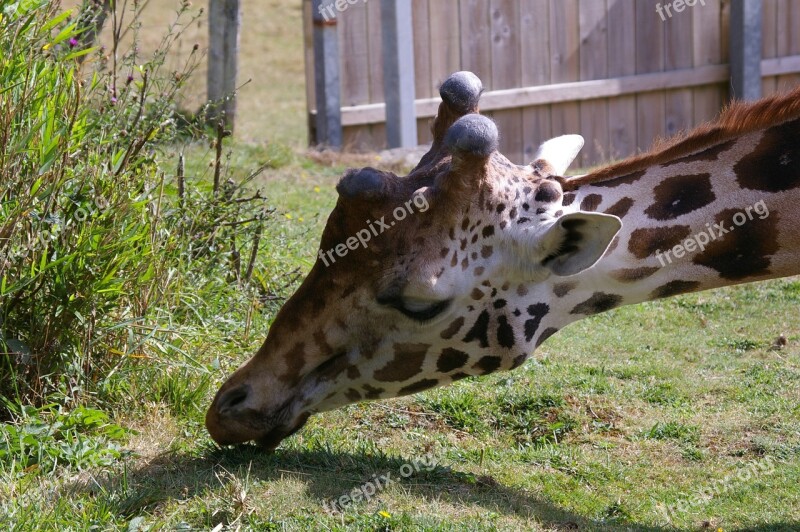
(725, 214)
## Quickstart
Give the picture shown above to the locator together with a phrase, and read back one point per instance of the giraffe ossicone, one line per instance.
(504, 256)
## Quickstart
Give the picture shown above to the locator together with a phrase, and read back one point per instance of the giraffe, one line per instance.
(507, 255)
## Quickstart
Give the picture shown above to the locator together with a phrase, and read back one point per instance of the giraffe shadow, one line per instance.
(327, 475)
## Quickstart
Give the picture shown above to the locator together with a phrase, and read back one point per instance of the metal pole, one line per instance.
(326, 75)
(398, 73)
(745, 49)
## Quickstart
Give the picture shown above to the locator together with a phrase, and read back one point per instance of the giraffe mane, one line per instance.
(737, 118)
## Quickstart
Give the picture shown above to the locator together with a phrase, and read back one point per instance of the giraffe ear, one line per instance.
(576, 241)
(555, 155)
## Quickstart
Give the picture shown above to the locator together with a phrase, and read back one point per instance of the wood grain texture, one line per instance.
(769, 42)
(445, 42)
(649, 58)
(612, 70)
(678, 43)
(476, 52)
(535, 54)
(506, 68)
(565, 62)
(707, 50)
(622, 133)
(593, 57)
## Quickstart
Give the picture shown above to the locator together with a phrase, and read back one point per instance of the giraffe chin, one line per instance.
(271, 440)
(268, 441)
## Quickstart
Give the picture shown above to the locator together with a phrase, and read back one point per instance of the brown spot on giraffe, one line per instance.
(679, 195)
(547, 333)
(488, 364)
(451, 359)
(599, 302)
(674, 288)
(743, 251)
(632, 275)
(505, 332)
(620, 208)
(547, 192)
(407, 362)
(479, 330)
(647, 241)
(591, 202)
(774, 164)
(537, 312)
(562, 289)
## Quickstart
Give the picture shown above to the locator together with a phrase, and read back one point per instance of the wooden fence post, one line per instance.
(398, 73)
(326, 78)
(745, 49)
(224, 21)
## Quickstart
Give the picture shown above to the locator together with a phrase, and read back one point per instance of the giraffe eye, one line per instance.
(416, 309)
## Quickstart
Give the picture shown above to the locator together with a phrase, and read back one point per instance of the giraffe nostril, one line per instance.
(232, 399)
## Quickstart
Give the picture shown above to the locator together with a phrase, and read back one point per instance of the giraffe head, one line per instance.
(420, 280)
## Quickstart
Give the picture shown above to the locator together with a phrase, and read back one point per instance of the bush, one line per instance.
(96, 239)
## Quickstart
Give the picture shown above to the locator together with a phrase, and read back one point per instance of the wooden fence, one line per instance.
(615, 71)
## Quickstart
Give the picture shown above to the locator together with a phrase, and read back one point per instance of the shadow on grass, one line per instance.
(328, 475)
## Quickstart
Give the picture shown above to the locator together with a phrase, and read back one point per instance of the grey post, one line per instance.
(326, 75)
(224, 22)
(398, 73)
(745, 49)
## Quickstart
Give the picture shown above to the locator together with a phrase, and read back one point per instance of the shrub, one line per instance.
(96, 237)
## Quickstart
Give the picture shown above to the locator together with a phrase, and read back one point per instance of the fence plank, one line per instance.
(475, 39)
(649, 58)
(783, 38)
(769, 42)
(622, 132)
(678, 42)
(565, 66)
(593, 65)
(355, 71)
(535, 56)
(423, 84)
(707, 50)
(445, 46)
(793, 80)
(506, 68)
(354, 53)
(374, 43)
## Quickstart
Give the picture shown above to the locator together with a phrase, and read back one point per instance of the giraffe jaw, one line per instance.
(266, 430)
(233, 419)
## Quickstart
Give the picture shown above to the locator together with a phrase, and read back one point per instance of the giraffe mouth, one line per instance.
(271, 440)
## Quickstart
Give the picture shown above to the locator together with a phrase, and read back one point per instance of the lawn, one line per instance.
(681, 414)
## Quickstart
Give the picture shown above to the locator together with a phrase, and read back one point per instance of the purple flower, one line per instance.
(73, 42)
(113, 99)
